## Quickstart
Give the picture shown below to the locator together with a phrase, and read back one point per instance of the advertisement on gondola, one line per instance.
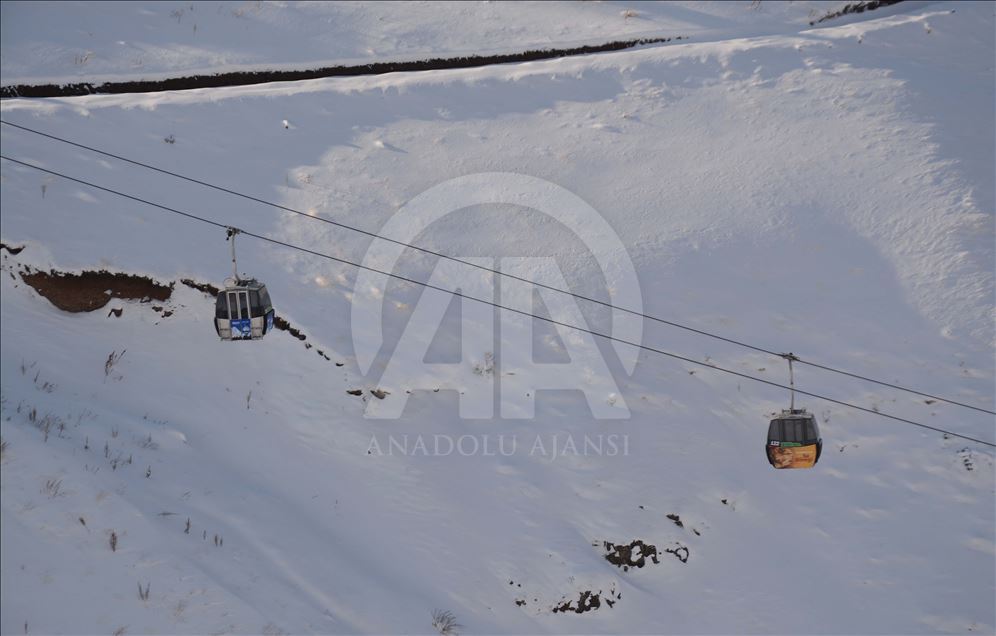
(241, 329)
(789, 455)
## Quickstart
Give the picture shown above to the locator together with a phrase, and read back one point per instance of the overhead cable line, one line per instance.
(498, 272)
(496, 305)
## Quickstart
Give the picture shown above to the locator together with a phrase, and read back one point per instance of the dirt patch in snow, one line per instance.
(283, 325)
(90, 290)
(10, 248)
(637, 553)
(207, 288)
(263, 77)
(587, 601)
(680, 552)
(856, 7)
(634, 555)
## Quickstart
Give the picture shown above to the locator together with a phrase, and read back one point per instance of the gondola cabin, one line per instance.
(794, 440)
(243, 310)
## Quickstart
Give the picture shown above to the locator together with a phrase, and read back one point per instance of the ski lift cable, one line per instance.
(603, 303)
(498, 305)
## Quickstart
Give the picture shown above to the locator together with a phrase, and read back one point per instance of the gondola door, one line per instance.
(238, 314)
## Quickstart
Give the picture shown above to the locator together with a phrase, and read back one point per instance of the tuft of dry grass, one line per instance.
(112, 360)
(52, 488)
(445, 623)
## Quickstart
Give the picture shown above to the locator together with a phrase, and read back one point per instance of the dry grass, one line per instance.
(445, 623)
(52, 488)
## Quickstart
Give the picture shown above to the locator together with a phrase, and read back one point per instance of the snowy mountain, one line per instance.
(826, 190)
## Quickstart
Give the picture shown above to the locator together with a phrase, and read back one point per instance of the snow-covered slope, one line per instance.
(59, 42)
(826, 191)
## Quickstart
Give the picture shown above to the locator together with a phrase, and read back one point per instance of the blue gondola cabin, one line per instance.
(243, 311)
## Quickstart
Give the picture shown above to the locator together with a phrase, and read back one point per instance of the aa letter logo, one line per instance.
(509, 375)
